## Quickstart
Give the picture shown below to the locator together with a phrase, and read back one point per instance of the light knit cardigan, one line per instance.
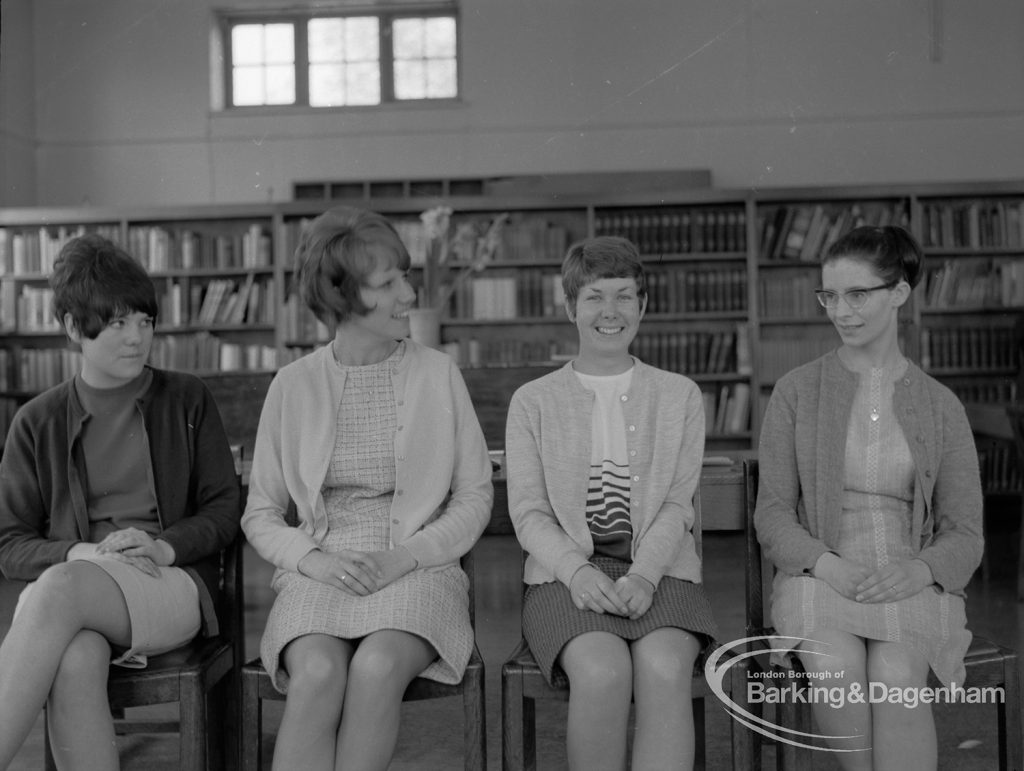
(802, 457)
(548, 442)
(443, 489)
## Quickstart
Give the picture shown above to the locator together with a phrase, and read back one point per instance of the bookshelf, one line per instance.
(730, 295)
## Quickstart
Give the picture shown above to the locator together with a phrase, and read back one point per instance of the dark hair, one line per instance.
(337, 252)
(890, 250)
(597, 258)
(94, 281)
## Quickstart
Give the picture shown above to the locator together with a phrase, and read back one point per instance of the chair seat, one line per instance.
(207, 658)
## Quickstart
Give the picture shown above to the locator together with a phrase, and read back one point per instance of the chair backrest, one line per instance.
(1015, 412)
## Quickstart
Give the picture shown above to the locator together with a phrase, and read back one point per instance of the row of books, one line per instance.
(999, 391)
(508, 351)
(973, 224)
(727, 409)
(687, 290)
(203, 352)
(661, 231)
(975, 283)
(27, 310)
(804, 232)
(1000, 468)
(33, 250)
(697, 353)
(297, 322)
(221, 301)
(160, 248)
(968, 348)
(36, 369)
(526, 293)
(790, 295)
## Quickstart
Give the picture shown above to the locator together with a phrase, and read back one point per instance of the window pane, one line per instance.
(247, 86)
(440, 38)
(362, 83)
(280, 43)
(410, 80)
(409, 36)
(326, 85)
(441, 80)
(280, 84)
(362, 39)
(326, 40)
(247, 44)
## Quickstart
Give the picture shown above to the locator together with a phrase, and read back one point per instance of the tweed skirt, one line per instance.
(551, 619)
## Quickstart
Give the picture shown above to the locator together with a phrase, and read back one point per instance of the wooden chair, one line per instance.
(988, 666)
(200, 676)
(1015, 412)
(256, 686)
(522, 684)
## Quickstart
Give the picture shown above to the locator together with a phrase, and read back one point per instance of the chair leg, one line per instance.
(192, 753)
(251, 729)
(49, 762)
(699, 734)
(789, 757)
(475, 728)
(1011, 744)
(746, 746)
(512, 712)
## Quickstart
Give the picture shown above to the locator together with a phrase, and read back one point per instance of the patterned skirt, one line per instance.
(551, 619)
(432, 603)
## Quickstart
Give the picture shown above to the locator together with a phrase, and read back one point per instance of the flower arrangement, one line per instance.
(453, 254)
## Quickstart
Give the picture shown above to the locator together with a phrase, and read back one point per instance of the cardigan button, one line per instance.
(636, 478)
(906, 381)
(928, 473)
(632, 428)
(394, 521)
(624, 398)
(399, 492)
(920, 439)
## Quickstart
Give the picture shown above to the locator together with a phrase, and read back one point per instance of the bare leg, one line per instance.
(904, 738)
(662, 688)
(382, 667)
(66, 599)
(843, 666)
(81, 728)
(317, 667)
(600, 671)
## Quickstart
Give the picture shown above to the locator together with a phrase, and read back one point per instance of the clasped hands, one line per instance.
(356, 572)
(891, 583)
(629, 596)
(132, 546)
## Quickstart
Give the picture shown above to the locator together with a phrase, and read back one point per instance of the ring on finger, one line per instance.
(344, 578)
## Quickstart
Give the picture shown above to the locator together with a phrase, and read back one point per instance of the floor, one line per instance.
(431, 734)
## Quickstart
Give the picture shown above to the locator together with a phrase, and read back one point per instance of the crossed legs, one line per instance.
(344, 699)
(604, 672)
(58, 652)
(887, 735)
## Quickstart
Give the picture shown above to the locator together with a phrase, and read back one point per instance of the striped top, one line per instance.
(608, 489)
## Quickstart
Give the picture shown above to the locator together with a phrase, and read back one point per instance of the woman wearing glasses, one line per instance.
(870, 508)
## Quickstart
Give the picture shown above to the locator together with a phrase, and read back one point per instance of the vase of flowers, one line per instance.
(453, 253)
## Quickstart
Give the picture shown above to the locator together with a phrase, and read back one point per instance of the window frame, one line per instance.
(299, 18)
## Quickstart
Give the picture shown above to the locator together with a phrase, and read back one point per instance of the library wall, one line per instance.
(17, 117)
(794, 92)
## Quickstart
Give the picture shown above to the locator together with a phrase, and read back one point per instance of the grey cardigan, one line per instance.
(802, 448)
(547, 441)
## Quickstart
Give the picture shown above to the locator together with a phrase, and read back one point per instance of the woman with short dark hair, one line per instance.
(117, 493)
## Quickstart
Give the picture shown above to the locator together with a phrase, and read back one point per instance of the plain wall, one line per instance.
(17, 105)
(764, 94)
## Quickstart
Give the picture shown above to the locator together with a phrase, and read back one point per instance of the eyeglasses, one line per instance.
(855, 298)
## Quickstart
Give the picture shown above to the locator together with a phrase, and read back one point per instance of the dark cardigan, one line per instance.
(42, 474)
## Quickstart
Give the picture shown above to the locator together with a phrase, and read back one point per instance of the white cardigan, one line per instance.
(443, 489)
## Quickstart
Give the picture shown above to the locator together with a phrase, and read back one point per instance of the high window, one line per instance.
(355, 58)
